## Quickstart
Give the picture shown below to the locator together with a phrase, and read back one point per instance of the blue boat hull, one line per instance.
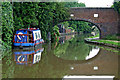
(29, 44)
(24, 44)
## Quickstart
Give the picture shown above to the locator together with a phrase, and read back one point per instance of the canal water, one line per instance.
(69, 56)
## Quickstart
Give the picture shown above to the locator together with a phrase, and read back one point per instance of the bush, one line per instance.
(7, 25)
(40, 15)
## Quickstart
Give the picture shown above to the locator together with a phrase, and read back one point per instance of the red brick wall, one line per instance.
(107, 20)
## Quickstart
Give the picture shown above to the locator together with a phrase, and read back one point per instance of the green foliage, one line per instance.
(7, 25)
(52, 14)
(74, 4)
(7, 60)
(116, 6)
(98, 35)
(40, 15)
(30, 14)
(65, 24)
(55, 33)
(70, 28)
(25, 14)
(108, 49)
(107, 42)
(80, 26)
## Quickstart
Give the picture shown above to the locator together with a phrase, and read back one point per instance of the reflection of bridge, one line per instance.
(106, 19)
(105, 61)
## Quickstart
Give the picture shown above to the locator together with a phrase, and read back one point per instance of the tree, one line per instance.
(74, 4)
(80, 26)
(51, 14)
(7, 25)
(42, 15)
(25, 14)
(116, 6)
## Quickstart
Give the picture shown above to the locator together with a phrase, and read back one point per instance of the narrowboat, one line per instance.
(27, 57)
(27, 37)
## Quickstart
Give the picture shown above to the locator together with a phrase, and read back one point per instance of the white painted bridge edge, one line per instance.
(88, 77)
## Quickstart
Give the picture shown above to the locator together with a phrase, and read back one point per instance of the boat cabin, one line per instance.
(27, 37)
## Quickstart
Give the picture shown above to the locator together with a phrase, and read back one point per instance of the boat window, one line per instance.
(36, 35)
(39, 35)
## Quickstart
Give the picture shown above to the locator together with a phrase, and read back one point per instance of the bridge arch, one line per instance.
(106, 19)
(85, 20)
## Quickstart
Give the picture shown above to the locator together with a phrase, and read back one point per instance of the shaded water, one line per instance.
(69, 56)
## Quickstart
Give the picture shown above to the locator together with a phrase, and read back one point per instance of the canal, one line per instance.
(69, 56)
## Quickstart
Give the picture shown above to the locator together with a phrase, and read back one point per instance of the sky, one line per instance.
(97, 3)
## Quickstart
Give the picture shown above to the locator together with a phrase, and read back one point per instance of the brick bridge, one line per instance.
(106, 19)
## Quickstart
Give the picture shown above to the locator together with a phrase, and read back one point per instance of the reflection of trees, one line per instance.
(61, 49)
(48, 67)
(73, 49)
(62, 39)
(7, 65)
(93, 47)
(76, 51)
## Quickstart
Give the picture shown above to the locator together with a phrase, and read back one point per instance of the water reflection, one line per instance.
(93, 53)
(62, 39)
(70, 48)
(28, 56)
(55, 61)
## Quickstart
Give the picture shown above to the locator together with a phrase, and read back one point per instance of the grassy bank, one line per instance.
(117, 43)
(94, 36)
(109, 40)
(113, 37)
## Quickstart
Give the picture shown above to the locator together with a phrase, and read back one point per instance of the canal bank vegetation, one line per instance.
(110, 49)
(42, 15)
(7, 25)
(116, 6)
(115, 37)
(20, 15)
(110, 40)
(96, 36)
(77, 26)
